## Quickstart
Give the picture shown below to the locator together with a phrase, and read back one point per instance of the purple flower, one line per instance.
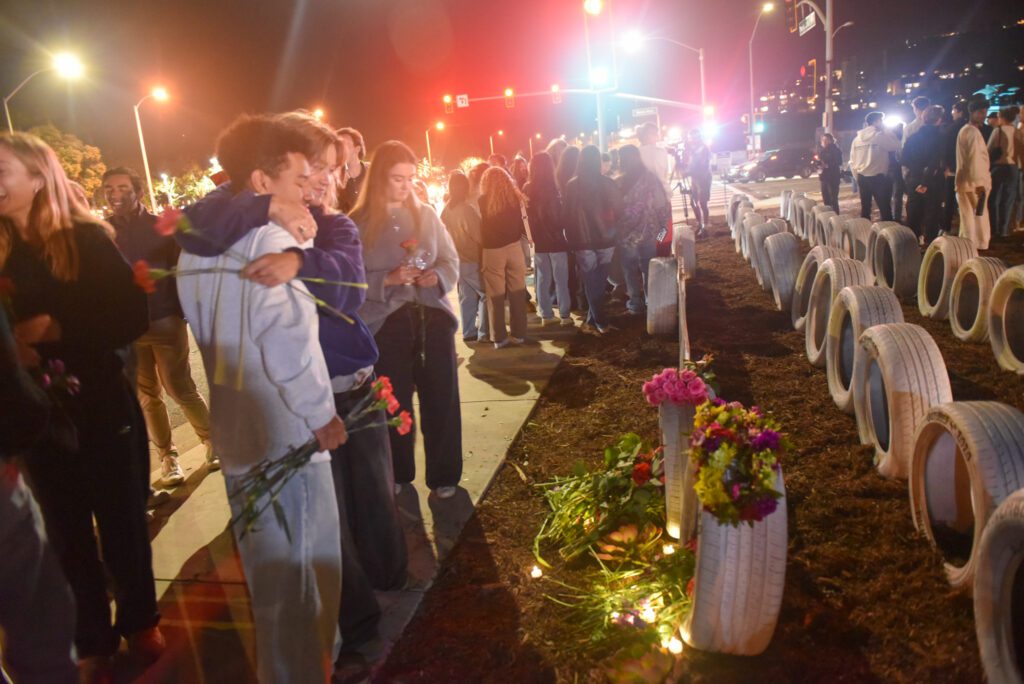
(766, 440)
(46, 381)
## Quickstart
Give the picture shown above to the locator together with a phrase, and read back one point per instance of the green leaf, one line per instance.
(281, 519)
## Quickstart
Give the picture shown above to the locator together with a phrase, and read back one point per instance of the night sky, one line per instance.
(383, 65)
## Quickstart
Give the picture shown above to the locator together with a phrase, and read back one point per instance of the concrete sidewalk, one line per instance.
(200, 585)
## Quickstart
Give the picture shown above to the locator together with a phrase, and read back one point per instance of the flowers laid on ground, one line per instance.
(692, 386)
(258, 489)
(173, 221)
(588, 507)
(737, 453)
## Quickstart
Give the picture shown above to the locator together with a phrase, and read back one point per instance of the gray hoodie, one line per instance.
(869, 154)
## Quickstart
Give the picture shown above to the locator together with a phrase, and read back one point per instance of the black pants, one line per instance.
(700, 195)
(405, 335)
(373, 551)
(830, 190)
(878, 188)
(899, 190)
(949, 205)
(924, 210)
(108, 477)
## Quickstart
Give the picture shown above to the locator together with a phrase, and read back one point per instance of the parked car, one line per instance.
(784, 163)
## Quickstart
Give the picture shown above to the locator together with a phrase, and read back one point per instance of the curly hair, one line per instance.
(499, 191)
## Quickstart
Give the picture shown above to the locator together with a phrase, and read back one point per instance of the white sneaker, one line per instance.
(170, 471)
(212, 462)
(445, 492)
(504, 343)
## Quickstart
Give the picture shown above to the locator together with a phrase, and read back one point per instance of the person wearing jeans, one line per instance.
(462, 220)
(646, 210)
(869, 163)
(592, 211)
(1004, 150)
(544, 209)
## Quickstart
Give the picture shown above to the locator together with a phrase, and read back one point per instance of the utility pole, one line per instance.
(827, 18)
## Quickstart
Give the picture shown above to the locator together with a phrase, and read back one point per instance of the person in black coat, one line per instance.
(75, 300)
(831, 158)
(923, 174)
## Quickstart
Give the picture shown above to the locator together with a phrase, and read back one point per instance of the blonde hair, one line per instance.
(499, 191)
(55, 210)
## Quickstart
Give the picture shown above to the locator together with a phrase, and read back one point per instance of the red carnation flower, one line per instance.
(405, 424)
(409, 245)
(168, 221)
(641, 473)
(142, 277)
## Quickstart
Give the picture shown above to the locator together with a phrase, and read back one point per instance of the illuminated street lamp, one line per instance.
(64, 63)
(593, 7)
(318, 114)
(634, 40)
(537, 137)
(439, 126)
(491, 138)
(599, 76)
(766, 7)
(159, 94)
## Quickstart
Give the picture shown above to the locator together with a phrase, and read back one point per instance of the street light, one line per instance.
(634, 40)
(64, 63)
(159, 94)
(318, 114)
(491, 138)
(766, 7)
(440, 127)
(826, 18)
(593, 7)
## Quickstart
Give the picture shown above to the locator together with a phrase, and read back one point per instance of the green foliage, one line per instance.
(82, 163)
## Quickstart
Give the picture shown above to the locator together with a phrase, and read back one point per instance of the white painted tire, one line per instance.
(749, 222)
(833, 275)
(734, 206)
(822, 220)
(897, 261)
(737, 233)
(876, 229)
(782, 252)
(970, 295)
(758, 255)
(1006, 320)
(803, 216)
(968, 458)
(785, 197)
(942, 260)
(739, 578)
(783, 226)
(684, 247)
(897, 378)
(805, 280)
(855, 238)
(856, 309)
(998, 578)
(791, 214)
(662, 296)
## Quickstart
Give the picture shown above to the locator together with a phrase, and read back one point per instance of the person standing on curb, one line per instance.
(973, 178)
(161, 355)
(869, 162)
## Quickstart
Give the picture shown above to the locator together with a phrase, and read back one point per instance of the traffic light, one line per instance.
(758, 122)
(556, 94)
(510, 98)
(792, 16)
(448, 106)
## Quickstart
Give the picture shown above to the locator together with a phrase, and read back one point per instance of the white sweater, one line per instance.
(269, 386)
(869, 153)
(972, 162)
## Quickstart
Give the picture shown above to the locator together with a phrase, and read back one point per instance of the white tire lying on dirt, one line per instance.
(783, 226)
(942, 260)
(969, 297)
(1006, 320)
(897, 261)
(834, 231)
(821, 227)
(785, 197)
(749, 222)
(897, 378)
(803, 216)
(782, 252)
(876, 229)
(968, 458)
(734, 206)
(738, 583)
(662, 296)
(790, 215)
(855, 237)
(856, 309)
(833, 275)
(999, 592)
(758, 255)
(684, 246)
(737, 233)
(805, 279)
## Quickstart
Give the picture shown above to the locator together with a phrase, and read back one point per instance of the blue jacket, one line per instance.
(221, 218)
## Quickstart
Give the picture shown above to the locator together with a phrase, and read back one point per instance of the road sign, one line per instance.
(645, 111)
(462, 101)
(808, 22)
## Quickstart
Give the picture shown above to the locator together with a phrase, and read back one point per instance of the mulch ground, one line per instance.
(865, 599)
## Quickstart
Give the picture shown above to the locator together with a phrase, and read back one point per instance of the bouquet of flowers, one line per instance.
(259, 488)
(591, 508)
(692, 385)
(736, 452)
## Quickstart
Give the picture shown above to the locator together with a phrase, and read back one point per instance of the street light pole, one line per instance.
(7, 111)
(430, 158)
(826, 18)
(145, 158)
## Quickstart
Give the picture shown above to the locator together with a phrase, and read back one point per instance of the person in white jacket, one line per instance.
(270, 391)
(869, 163)
(973, 178)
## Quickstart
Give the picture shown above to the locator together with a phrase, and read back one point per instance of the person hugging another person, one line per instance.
(411, 266)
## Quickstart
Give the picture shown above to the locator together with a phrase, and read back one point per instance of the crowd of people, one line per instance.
(309, 273)
(966, 161)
